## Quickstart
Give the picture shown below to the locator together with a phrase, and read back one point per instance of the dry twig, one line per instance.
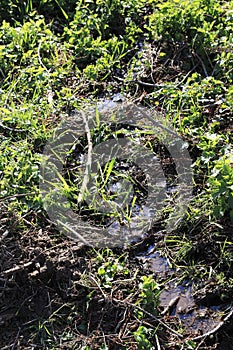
(152, 316)
(75, 233)
(89, 158)
(17, 268)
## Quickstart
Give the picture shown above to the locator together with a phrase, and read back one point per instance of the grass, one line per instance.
(57, 58)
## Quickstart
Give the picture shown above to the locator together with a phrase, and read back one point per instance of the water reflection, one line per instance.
(177, 300)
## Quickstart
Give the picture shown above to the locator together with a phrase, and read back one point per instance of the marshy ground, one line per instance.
(168, 289)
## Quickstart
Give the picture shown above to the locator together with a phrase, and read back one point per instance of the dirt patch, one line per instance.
(51, 295)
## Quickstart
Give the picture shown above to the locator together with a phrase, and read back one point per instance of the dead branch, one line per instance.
(17, 268)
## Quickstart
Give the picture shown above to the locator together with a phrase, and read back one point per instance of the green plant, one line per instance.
(220, 187)
(15, 11)
(110, 268)
(55, 57)
(141, 336)
(149, 295)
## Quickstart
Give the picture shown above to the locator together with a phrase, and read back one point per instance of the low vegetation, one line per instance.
(57, 57)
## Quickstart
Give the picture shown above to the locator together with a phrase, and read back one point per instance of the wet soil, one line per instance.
(46, 302)
(178, 299)
(49, 301)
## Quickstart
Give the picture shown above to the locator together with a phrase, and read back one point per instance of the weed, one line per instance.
(150, 291)
(175, 56)
(220, 187)
(141, 336)
(111, 268)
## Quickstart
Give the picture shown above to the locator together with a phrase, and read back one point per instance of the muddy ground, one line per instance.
(47, 303)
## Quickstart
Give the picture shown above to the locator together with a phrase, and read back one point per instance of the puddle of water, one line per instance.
(136, 228)
(195, 318)
(155, 262)
(184, 304)
(177, 300)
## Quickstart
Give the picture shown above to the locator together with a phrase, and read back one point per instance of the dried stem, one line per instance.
(89, 158)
